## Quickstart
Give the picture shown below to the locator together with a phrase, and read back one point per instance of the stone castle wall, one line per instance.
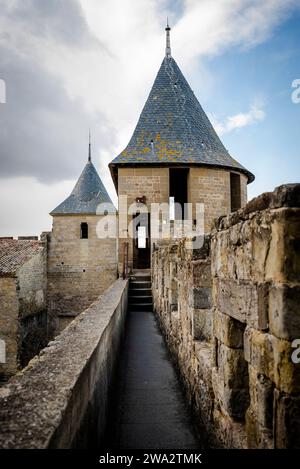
(181, 285)
(32, 297)
(230, 313)
(23, 313)
(79, 270)
(9, 325)
(212, 188)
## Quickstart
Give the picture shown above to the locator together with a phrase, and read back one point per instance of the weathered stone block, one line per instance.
(287, 420)
(284, 311)
(201, 273)
(259, 203)
(229, 432)
(272, 357)
(202, 324)
(283, 262)
(200, 298)
(232, 366)
(215, 346)
(173, 292)
(219, 254)
(228, 330)
(233, 401)
(287, 195)
(261, 231)
(244, 301)
(261, 397)
(258, 436)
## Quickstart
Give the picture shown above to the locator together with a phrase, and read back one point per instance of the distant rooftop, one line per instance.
(15, 253)
(173, 128)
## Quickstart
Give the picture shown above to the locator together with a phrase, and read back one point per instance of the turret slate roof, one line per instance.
(87, 194)
(174, 129)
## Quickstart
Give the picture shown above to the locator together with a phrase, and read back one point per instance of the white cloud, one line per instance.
(209, 28)
(26, 204)
(255, 114)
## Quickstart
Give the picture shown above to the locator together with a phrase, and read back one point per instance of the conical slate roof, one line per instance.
(174, 129)
(87, 194)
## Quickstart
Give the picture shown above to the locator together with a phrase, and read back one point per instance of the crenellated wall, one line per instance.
(229, 312)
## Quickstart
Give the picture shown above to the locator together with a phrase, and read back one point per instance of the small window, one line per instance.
(178, 191)
(235, 191)
(84, 231)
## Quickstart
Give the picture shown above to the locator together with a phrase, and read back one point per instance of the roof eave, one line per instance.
(113, 167)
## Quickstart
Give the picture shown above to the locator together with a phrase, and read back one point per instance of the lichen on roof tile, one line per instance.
(87, 194)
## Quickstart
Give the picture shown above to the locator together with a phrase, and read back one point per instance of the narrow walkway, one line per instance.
(150, 409)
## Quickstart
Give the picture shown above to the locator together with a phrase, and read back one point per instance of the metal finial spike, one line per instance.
(90, 151)
(168, 44)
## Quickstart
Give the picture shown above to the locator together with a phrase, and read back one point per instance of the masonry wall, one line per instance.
(9, 326)
(181, 284)
(79, 270)
(32, 297)
(212, 188)
(231, 332)
(244, 196)
(61, 400)
(23, 313)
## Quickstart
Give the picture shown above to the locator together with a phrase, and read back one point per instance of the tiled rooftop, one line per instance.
(14, 253)
(87, 194)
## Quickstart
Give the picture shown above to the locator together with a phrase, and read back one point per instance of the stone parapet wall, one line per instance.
(60, 400)
(239, 373)
(181, 284)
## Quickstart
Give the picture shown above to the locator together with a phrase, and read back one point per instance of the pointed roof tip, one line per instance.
(90, 151)
(168, 42)
(88, 192)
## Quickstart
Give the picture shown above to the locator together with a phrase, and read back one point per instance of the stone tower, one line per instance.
(81, 265)
(175, 152)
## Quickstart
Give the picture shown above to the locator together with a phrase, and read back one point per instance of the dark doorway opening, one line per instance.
(179, 190)
(141, 241)
(235, 191)
(84, 231)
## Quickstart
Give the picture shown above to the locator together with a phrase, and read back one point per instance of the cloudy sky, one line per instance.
(71, 65)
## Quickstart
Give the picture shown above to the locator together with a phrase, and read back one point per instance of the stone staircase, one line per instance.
(140, 294)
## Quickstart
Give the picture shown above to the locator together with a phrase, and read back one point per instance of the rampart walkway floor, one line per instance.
(150, 409)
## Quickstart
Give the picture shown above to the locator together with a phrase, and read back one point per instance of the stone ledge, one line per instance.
(287, 195)
(37, 406)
